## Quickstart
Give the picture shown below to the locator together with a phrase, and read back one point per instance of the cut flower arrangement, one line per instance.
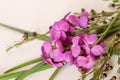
(86, 40)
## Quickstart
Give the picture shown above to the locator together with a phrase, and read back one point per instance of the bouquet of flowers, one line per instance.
(86, 40)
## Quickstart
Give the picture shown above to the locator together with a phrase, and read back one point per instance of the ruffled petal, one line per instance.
(97, 50)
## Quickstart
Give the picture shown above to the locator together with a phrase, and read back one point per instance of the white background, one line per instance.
(38, 15)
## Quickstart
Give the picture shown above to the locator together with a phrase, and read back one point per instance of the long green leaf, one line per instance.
(28, 72)
(8, 76)
(40, 36)
(55, 73)
(24, 64)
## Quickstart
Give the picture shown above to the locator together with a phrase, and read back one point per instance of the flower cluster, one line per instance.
(69, 48)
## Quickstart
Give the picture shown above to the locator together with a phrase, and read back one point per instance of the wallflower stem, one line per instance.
(8, 76)
(108, 28)
(39, 36)
(24, 64)
(55, 73)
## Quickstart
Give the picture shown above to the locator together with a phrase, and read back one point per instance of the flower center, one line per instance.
(90, 46)
(54, 47)
(87, 61)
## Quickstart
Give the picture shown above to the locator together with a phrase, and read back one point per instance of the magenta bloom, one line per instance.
(67, 58)
(81, 22)
(85, 62)
(90, 46)
(52, 53)
(58, 30)
(75, 48)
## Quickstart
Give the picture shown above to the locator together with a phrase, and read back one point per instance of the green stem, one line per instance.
(15, 29)
(8, 76)
(91, 28)
(55, 73)
(39, 36)
(108, 28)
(24, 64)
(28, 72)
(96, 76)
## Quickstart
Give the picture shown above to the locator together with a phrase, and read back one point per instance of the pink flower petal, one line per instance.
(75, 40)
(55, 34)
(63, 35)
(90, 39)
(49, 61)
(56, 55)
(59, 45)
(63, 25)
(47, 47)
(68, 57)
(81, 61)
(75, 50)
(84, 14)
(97, 50)
(73, 20)
(87, 49)
(90, 63)
(83, 22)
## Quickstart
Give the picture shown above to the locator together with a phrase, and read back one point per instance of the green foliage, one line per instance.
(83, 77)
(115, 1)
(9, 76)
(24, 64)
(116, 51)
(118, 71)
(118, 60)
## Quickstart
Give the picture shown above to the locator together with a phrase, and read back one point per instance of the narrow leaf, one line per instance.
(8, 76)
(24, 64)
(55, 73)
(28, 72)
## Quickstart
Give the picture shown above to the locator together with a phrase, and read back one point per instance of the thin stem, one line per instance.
(108, 28)
(96, 76)
(91, 28)
(15, 29)
(55, 73)
(24, 64)
(39, 36)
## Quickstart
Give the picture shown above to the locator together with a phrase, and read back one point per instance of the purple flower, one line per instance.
(90, 47)
(75, 48)
(85, 62)
(58, 30)
(81, 22)
(52, 53)
(67, 58)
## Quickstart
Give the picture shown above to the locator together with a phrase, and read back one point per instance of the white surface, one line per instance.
(37, 15)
